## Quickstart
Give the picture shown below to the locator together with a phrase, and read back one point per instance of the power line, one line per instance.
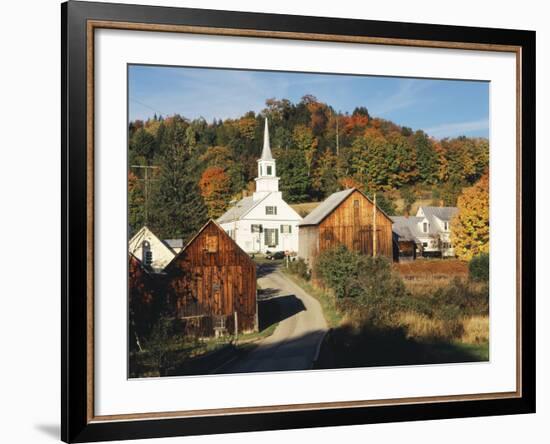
(150, 107)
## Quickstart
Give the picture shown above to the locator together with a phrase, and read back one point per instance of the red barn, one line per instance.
(213, 281)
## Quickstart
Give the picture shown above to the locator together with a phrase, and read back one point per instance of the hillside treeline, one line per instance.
(200, 167)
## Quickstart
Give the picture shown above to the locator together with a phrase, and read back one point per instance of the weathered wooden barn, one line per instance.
(345, 218)
(213, 283)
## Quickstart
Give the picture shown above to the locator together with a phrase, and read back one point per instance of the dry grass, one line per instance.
(423, 276)
(400, 205)
(476, 330)
(303, 209)
(472, 330)
(422, 327)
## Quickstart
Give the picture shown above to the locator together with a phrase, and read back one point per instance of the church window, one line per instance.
(269, 170)
(286, 229)
(271, 210)
(271, 237)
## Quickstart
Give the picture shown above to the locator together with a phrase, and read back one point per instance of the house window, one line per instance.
(271, 237)
(425, 227)
(256, 228)
(286, 229)
(424, 244)
(211, 244)
(231, 234)
(269, 170)
(446, 226)
(271, 210)
(146, 253)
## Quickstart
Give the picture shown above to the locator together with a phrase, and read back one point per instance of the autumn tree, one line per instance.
(305, 141)
(325, 177)
(215, 189)
(470, 227)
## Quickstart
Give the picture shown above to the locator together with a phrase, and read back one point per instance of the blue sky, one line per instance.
(442, 108)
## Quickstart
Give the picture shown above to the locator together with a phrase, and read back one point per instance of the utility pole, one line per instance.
(374, 240)
(145, 181)
(337, 142)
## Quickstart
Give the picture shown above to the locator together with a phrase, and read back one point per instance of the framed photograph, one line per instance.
(276, 221)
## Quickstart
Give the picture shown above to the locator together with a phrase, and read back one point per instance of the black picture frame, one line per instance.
(76, 423)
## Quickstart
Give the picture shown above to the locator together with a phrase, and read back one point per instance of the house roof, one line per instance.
(320, 212)
(443, 213)
(174, 243)
(237, 211)
(407, 227)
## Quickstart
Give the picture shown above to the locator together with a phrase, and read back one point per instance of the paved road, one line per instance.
(293, 344)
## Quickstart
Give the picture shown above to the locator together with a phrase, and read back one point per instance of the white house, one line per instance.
(150, 250)
(263, 221)
(430, 230)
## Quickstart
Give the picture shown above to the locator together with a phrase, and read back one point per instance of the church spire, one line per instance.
(266, 151)
(267, 180)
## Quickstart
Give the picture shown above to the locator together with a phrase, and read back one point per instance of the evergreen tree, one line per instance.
(177, 209)
(426, 157)
(292, 169)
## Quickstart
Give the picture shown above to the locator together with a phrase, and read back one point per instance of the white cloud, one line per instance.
(409, 93)
(458, 128)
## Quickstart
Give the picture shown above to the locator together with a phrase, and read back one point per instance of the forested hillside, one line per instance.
(198, 168)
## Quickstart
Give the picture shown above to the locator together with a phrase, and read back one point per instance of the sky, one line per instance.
(442, 108)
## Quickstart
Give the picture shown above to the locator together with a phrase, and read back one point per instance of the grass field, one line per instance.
(425, 275)
(412, 335)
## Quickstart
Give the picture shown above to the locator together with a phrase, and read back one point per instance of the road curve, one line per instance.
(294, 343)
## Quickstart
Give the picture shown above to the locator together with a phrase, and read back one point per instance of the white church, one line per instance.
(264, 221)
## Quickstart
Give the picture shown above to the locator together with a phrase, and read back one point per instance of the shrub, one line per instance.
(299, 268)
(339, 268)
(479, 268)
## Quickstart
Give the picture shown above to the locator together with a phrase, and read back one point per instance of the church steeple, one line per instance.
(267, 180)
(266, 150)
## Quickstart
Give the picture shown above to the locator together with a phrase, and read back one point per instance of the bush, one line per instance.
(479, 268)
(339, 268)
(299, 268)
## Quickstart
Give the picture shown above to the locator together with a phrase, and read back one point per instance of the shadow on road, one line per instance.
(267, 268)
(287, 355)
(278, 309)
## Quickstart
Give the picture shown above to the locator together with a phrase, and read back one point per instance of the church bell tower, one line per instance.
(267, 180)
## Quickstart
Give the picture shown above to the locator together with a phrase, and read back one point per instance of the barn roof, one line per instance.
(197, 234)
(330, 204)
(326, 207)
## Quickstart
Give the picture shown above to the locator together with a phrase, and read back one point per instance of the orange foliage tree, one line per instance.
(470, 227)
(215, 187)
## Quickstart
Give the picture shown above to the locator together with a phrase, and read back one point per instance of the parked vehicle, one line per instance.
(275, 255)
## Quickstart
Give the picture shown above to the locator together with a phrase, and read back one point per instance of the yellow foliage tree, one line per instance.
(470, 227)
